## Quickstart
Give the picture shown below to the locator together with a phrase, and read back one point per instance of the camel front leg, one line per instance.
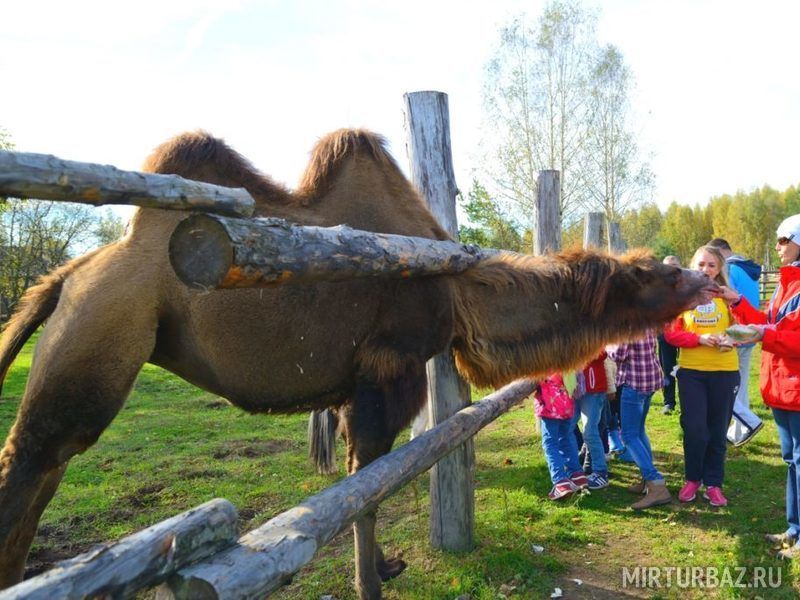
(25, 491)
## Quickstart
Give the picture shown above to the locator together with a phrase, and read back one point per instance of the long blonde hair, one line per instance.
(722, 276)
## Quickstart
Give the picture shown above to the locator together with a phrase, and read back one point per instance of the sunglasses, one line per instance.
(785, 240)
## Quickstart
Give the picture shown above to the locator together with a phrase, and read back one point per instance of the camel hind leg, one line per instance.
(370, 425)
(83, 368)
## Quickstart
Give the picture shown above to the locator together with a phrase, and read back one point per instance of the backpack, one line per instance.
(551, 400)
(594, 376)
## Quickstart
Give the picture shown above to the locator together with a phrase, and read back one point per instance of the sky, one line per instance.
(716, 102)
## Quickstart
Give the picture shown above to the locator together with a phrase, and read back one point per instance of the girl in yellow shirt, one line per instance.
(708, 379)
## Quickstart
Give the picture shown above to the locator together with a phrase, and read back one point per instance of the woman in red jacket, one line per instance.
(778, 329)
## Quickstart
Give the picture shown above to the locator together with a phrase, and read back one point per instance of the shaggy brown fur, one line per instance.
(360, 346)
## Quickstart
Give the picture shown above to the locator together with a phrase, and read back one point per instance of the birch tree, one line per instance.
(536, 103)
(614, 178)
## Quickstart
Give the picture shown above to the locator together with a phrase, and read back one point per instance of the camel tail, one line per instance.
(38, 303)
(322, 426)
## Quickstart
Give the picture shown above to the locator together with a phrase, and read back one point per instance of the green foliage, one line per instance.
(173, 447)
(37, 236)
(492, 228)
(109, 228)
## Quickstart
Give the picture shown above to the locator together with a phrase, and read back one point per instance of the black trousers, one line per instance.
(668, 357)
(706, 399)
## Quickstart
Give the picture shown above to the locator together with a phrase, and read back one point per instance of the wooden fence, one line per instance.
(265, 558)
(268, 556)
(766, 285)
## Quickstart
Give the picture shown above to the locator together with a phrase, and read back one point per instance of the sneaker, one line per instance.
(750, 435)
(562, 489)
(667, 410)
(781, 540)
(615, 441)
(714, 496)
(579, 479)
(597, 481)
(790, 553)
(689, 491)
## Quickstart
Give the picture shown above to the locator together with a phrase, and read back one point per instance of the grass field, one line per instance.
(173, 447)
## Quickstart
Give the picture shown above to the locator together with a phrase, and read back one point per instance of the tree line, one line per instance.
(747, 220)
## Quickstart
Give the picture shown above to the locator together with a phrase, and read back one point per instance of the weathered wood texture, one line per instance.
(452, 495)
(547, 220)
(593, 230)
(46, 177)
(266, 557)
(212, 251)
(615, 242)
(140, 560)
(547, 213)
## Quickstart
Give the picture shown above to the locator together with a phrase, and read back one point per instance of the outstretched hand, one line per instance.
(728, 294)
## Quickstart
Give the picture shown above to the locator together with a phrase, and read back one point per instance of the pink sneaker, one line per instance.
(714, 496)
(579, 479)
(689, 491)
(562, 489)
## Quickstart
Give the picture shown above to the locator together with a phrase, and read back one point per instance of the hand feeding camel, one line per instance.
(362, 344)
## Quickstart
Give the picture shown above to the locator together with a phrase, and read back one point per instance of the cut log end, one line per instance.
(201, 252)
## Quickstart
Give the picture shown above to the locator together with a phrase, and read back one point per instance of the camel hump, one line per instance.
(200, 156)
(331, 152)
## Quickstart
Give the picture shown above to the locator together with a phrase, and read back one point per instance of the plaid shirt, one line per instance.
(637, 364)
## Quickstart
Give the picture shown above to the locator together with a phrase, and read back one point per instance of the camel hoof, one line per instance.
(389, 569)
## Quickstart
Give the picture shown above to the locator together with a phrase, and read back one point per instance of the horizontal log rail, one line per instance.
(196, 553)
(267, 557)
(210, 252)
(143, 559)
(47, 177)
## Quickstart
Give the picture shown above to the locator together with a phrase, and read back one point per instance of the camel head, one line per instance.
(654, 293)
(524, 316)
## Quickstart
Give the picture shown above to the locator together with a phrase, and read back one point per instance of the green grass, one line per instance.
(173, 447)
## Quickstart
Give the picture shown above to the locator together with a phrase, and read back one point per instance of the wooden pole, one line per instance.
(212, 251)
(140, 560)
(593, 230)
(547, 213)
(46, 177)
(547, 221)
(616, 244)
(427, 122)
(268, 556)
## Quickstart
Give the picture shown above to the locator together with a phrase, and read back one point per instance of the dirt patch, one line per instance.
(216, 404)
(251, 449)
(54, 543)
(201, 474)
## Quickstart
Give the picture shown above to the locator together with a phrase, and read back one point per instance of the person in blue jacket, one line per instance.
(743, 275)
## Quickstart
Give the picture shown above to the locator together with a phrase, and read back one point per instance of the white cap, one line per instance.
(790, 228)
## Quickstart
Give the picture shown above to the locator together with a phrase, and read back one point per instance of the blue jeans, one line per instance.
(634, 407)
(788, 422)
(560, 447)
(591, 406)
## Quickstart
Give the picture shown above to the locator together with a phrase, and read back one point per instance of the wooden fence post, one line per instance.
(593, 230)
(547, 213)
(427, 123)
(616, 244)
(547, 221)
